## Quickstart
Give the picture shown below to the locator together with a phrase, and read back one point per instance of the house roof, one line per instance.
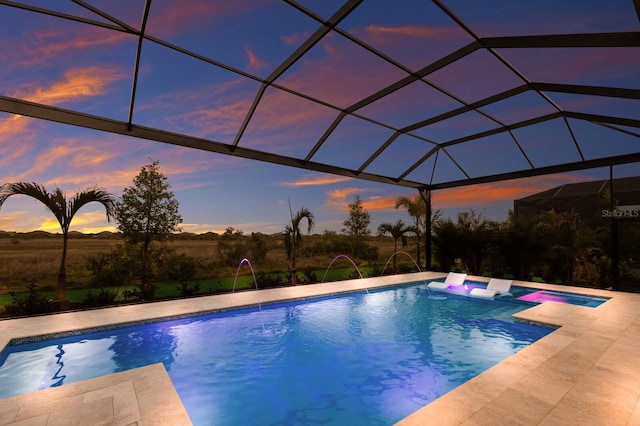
(585, 198)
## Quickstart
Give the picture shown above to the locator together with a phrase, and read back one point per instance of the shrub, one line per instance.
(104, 297)
(114, 268)
(143, 291)
(177, 267)
(355, 274)
(406, 268)
(310, 275)
(181, 268)
(369, 253)
(265, 281)
(187, 289)
(33, 304)
(376, 270)
(233, 246)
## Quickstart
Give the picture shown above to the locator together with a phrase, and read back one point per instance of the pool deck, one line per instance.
(587, 372)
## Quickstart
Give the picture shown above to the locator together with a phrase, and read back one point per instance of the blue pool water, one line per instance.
(354, 359)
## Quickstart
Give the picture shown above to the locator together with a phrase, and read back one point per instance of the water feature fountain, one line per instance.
(419, 270)
(349, 259)
(394, 255)
(255, 282)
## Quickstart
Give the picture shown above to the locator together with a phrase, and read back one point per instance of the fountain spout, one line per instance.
(349, 259)
(336, 258)
(255, 283)
(417, 266)
(394, 255)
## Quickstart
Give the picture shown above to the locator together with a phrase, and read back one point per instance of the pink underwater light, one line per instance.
(542, 296)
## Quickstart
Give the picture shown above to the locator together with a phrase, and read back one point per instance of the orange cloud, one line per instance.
(99, 161)
(284, 122)
(296, 38)
(42, 47)
(463, 197)
(317, 181)
(15, 220)
(84, 163)
(221, 120)
(12, 126)
(382, 32)
(469, 196)
(254, 61)
(173, 17)
(77, 83)
(340, 73)
(77, 154)
(339, 199)
(50, 157)
(217, 109)
(15, 139)
(380, 203)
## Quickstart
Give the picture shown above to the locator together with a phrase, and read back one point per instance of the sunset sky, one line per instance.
(72, 65)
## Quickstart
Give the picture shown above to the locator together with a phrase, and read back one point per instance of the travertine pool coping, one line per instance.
(587, 372)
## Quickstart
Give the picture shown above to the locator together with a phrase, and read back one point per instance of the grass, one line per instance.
(27, 258)
(169, 289)
(38, 259)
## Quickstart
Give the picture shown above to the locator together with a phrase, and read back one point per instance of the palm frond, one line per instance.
(301, 214)
(89, 195)
(31, 189)
(53, 201)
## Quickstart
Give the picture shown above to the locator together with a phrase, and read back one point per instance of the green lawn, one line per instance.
(170, 289)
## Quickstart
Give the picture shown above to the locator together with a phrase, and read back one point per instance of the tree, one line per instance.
(147, 212)
(357, 226)
(398, 231)
(417, 209)
(64, 210)
(293, 237)
(477, 233)
(233, 246)
(468, 239)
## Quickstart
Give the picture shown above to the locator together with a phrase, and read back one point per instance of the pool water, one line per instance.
(354, 359)
(542, 296)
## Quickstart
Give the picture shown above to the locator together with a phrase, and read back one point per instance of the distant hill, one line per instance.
(45, 234)
(106, 235)
(31, 234)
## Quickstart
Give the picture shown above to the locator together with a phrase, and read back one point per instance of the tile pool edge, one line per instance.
(144, 395)
(543, 383)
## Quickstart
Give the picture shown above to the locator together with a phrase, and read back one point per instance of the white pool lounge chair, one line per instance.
(454, 279)
(495, 287)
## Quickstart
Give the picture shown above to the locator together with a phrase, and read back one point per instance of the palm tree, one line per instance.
(63, 210)
(397, 231)
(417, 209)
(293, 237)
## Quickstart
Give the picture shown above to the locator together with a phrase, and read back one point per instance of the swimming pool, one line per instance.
(373, 357)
